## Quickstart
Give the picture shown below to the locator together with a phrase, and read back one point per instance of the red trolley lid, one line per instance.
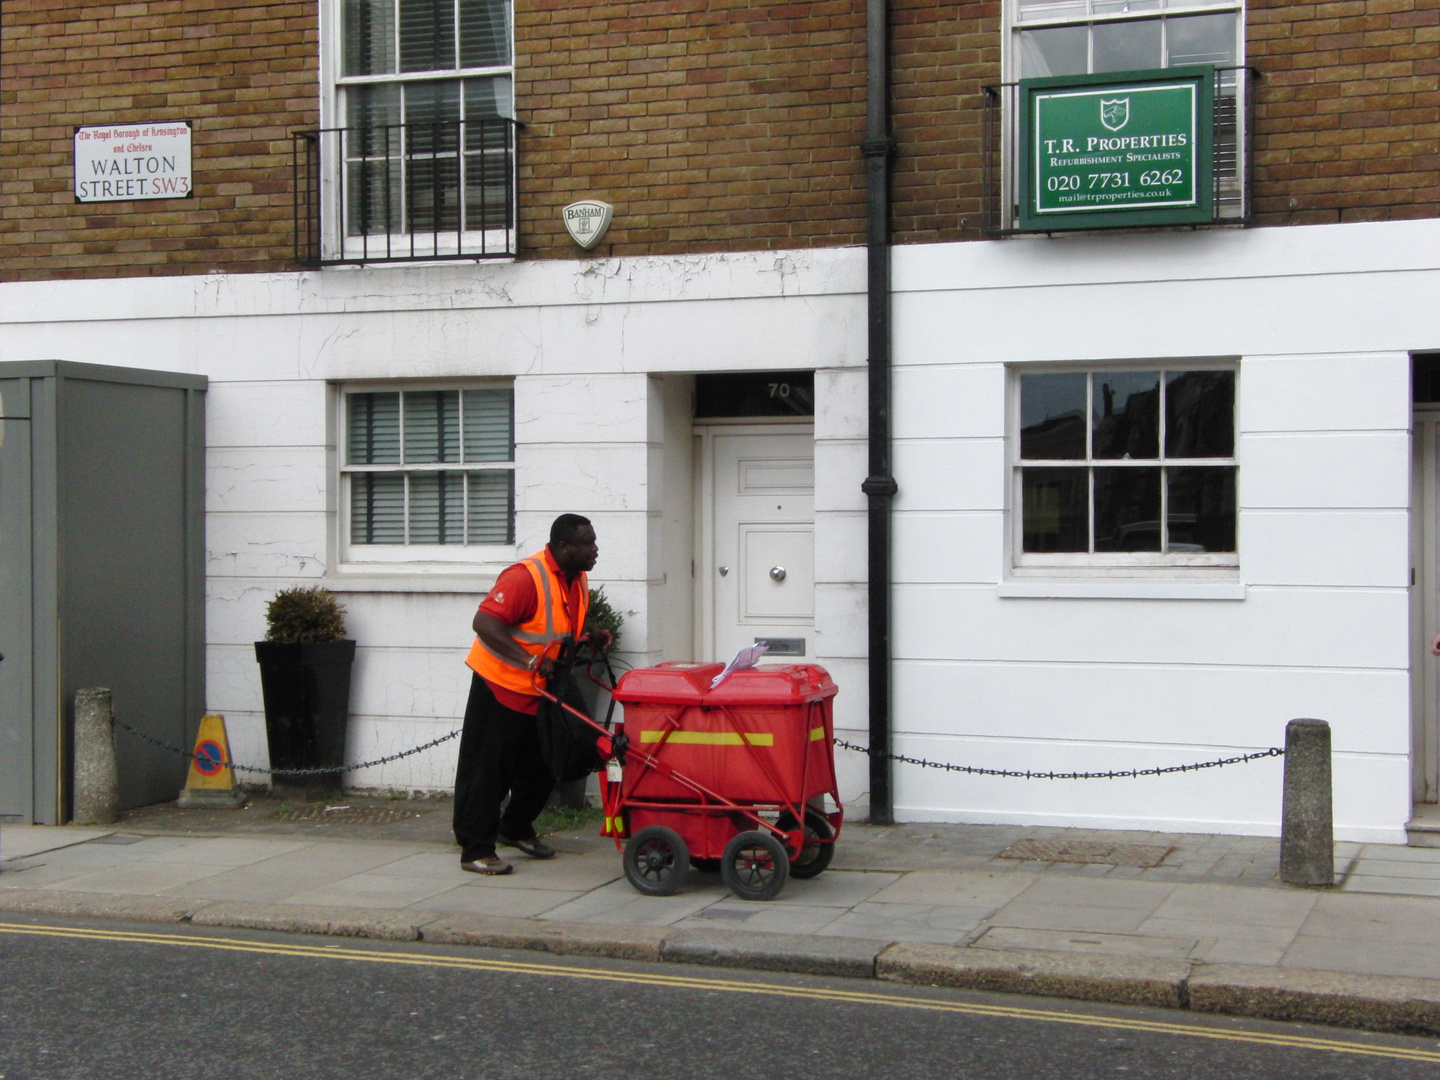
(682, 683)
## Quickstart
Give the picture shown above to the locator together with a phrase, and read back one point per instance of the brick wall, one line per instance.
(245, 74)
(1347, 111)
(718, 125)
(712, 125)
(943, 54)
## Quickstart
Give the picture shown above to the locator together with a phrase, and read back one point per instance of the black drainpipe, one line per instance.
(880, 486)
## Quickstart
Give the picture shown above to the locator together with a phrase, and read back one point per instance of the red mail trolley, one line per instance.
(736, 777)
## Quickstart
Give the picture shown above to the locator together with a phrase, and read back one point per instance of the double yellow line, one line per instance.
(729, 986)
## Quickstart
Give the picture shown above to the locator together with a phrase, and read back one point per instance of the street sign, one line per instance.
(123, 162)
(1122, 149)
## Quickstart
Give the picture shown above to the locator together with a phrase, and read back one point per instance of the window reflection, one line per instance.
(1200, 414)
(1052, 416)
(1127, 46)
(1055, 510)
(1201, 512)
(1138, 439)
(1057, 50)
(1127, 415)
(1127, 509)
(1200, 39)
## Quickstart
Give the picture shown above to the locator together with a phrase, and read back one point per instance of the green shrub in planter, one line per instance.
(303, 616)
(603, 616)
(305, 663)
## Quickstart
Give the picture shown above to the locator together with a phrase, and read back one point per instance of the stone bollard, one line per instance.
(97, 779)
(1307, 832)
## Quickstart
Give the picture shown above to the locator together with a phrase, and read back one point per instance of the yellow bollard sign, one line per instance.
(211, 782)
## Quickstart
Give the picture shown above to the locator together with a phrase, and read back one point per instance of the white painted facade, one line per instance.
(992, 668)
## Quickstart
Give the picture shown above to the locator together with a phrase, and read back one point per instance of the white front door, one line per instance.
(760, 572)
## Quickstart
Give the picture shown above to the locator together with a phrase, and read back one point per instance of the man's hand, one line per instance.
(1435, 646)
(604, 640)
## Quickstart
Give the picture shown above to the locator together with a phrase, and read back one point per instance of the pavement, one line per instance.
(1186, 921)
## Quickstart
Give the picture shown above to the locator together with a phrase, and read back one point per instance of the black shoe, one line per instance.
(534, 847)
(486, 864)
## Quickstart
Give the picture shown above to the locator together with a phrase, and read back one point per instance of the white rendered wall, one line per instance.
(595, 434)
(1055, 675)
(1320, 319)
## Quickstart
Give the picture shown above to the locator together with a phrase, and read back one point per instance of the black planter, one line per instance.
(307, 704)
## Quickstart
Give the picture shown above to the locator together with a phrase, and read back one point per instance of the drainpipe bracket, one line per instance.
(882, 147)
(880, 485)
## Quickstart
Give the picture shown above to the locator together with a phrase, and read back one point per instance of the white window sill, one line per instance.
(1120, 589)
(470, 584)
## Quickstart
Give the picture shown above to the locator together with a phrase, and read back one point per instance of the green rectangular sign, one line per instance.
(1122, 149)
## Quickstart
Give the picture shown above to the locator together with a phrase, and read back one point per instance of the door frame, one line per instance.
(1424, 602)
(705, 432)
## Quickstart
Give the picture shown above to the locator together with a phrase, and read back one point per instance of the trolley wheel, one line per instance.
(656, 860)
(755, 866)
(814, 858)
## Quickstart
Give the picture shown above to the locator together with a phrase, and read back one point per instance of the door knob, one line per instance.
(724, 570)
(777, 573)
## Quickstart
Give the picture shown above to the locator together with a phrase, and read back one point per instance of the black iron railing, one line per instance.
(405, 192)
(1234, 89)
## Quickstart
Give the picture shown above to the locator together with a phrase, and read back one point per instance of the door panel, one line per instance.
(777, 573)
(762, 518)
(16, 704)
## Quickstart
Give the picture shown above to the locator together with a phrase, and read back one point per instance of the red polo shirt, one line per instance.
(513, 600)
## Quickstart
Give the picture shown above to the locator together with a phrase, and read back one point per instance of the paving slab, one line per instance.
(967, 889)
(1128, 980)
(1369, 918)
(1406, 959)
(223, 851)
(1392, 885)
(480, 899)
(768, 918)
(377, 890)
(1004, 937)
(137, 879)
(806, 954)
(938, 923)
(22, 841)
(619, 904)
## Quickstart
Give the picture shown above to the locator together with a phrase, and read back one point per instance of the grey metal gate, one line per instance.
(101, 572)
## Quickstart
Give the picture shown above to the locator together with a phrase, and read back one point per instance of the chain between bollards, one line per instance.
(284, 772)
(1031, 774)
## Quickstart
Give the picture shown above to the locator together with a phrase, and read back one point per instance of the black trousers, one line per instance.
(499, 755)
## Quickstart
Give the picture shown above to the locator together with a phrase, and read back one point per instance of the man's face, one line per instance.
(580, 553)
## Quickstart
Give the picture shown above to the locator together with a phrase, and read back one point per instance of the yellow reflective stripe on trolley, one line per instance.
(817, 733)
(710, 738)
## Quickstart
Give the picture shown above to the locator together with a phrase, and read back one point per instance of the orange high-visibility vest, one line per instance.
(550, 622)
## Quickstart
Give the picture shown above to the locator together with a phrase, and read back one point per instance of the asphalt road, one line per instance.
(89, 1001)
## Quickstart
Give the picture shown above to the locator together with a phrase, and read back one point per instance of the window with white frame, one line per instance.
(428, 467)
(1086, 37)
(1089, 37)
(1125, 467)
(425, 95)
